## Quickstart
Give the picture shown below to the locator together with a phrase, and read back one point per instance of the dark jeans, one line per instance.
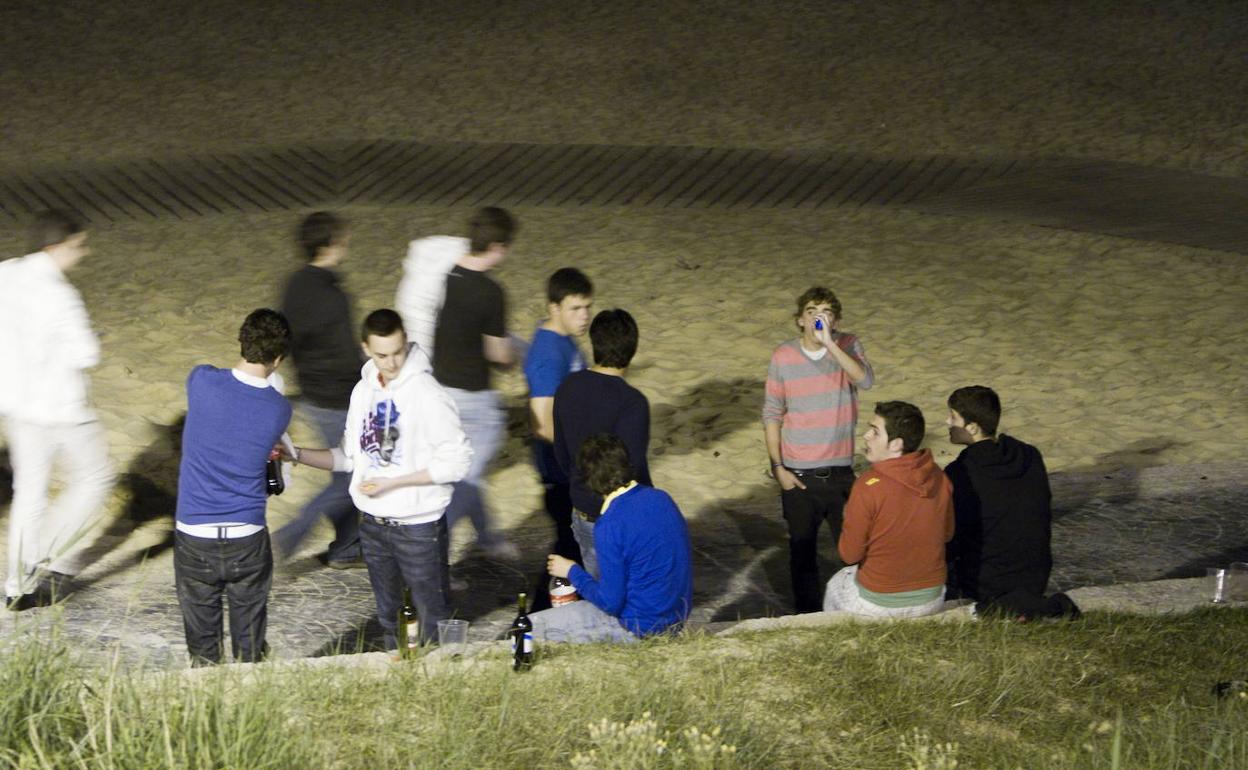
(557, 499)
(412, 555)
(334, 500)
(805, 510)
(205, 570)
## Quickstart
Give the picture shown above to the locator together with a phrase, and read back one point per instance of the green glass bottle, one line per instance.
(408, 627)
(522, 638)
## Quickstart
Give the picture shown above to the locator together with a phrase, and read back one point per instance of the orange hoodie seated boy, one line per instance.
(897, 520)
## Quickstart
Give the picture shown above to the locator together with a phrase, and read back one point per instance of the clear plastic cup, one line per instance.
(453, 635)
(1216, 580)
(1237, 582)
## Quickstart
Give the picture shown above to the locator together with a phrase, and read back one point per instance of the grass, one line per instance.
(1111, 691)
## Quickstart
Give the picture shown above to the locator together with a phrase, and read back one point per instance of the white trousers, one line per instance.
(842, 595)
(43, 534)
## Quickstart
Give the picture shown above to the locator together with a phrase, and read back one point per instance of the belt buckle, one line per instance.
(823, 473)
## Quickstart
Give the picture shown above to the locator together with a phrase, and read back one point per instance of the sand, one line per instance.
(1107, 352)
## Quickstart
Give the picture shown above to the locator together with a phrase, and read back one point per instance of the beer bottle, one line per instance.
(408, 627)
(274, 484)
(522, 639)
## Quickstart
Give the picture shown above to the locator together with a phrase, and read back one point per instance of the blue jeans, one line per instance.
(484, 422)
(579, 622)
(334, 500)
(412, 555)
(584, 532)
(206, 570)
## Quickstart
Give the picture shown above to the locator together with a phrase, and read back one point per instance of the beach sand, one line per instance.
(1107, 352)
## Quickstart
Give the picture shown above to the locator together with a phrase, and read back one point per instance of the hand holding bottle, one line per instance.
(557, 565)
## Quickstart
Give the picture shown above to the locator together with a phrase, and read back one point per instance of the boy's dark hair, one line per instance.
(567, 282)
(54, 226)
(320, 230)
(604, 463)
(488, 226)
(264, 336)
(978, 404)
(903, 421)
(818, 295)
(381, 323)
(613, 336)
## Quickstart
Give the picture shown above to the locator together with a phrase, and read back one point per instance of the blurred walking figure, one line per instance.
(327, 361)
(469, 337)
(46, 346)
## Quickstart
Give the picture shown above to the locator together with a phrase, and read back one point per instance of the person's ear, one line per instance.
(973, 428)
(896, 445)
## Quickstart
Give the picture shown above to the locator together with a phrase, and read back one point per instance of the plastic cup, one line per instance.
(453, 635)
(1237, 582)
(1216, 580)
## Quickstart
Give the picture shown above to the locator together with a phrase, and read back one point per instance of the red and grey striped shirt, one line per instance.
(815, 403)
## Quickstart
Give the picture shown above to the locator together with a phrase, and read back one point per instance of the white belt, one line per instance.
(219, 531)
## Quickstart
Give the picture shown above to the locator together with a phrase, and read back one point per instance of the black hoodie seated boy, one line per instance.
(1000, 554)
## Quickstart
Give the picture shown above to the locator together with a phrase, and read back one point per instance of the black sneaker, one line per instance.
(1061, 605)
(356, 563)
(27, 602)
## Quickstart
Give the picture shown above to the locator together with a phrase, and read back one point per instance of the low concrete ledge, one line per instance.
(1158, 597)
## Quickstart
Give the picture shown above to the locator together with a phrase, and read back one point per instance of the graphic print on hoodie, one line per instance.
(379, 440)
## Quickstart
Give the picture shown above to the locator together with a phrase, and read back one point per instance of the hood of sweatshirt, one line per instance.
(1006, 458)
(916, 471)
(417, 363)
(435, 254)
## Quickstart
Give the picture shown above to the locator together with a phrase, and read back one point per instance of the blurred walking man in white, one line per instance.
(46, 346)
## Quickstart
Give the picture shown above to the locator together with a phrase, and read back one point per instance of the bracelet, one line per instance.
(295, 458)
(776, 465)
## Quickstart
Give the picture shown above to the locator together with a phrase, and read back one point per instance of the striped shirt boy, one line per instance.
(815, 402)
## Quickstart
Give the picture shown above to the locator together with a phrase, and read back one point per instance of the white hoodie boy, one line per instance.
(423, 423)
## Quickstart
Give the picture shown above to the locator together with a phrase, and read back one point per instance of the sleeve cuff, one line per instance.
(342, 463)
(578, 576)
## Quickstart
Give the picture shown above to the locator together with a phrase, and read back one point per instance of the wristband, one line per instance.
(776, 465)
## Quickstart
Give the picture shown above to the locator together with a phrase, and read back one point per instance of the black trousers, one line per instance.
(805, 510)
(206, 570)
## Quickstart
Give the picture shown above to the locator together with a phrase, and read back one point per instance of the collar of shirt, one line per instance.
(250, 379)
(606, 501)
